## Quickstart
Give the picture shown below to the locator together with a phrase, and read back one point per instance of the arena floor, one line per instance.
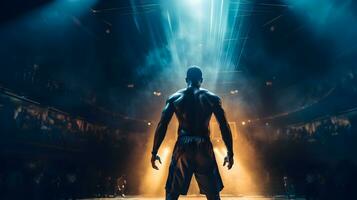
(203, 198)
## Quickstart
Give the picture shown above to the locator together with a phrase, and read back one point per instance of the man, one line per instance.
(193, 152)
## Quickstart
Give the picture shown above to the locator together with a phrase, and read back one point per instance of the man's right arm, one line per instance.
(162, 126)
(161, 132)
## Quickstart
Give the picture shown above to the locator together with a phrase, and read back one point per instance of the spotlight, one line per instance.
(194, 3)
(149, 123)
(157, 93)
(243, 123)
(195, 8)
(234, 92)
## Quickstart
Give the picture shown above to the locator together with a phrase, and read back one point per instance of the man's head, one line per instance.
(194, 76)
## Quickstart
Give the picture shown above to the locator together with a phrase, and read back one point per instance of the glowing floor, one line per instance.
(203, 198)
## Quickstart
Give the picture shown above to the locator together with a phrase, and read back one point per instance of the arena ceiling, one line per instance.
(125, 57)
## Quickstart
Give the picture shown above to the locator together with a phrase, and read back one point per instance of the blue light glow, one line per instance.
(203, 33)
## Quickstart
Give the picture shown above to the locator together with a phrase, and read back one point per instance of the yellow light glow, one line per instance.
(154, 179)
(241, 179)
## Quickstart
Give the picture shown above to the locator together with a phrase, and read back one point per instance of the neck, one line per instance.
(191, 85)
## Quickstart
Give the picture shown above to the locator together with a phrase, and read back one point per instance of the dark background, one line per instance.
(297, 67)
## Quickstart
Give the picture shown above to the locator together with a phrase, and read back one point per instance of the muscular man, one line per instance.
(193, 152)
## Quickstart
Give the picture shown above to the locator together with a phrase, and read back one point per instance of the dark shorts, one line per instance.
(193, 155)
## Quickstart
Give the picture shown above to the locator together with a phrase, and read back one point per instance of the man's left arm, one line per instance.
(225, 131)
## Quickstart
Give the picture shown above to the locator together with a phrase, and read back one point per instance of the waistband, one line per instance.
(183, 133)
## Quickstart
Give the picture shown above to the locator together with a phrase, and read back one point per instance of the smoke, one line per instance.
(207, 35)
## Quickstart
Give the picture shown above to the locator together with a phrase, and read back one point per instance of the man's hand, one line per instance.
(228, 159)
(153, 159)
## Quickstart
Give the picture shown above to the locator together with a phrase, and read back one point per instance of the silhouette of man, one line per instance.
(193, 152)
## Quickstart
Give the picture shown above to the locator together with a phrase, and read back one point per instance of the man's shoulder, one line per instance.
(210, 94)
(176, 95)
(205, 91)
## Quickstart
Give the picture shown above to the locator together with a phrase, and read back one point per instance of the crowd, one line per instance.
(49, 154)
(319, 130)
(316, 131)
(315, 159)
(21, 179)
(321, 182)
(32, 122)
